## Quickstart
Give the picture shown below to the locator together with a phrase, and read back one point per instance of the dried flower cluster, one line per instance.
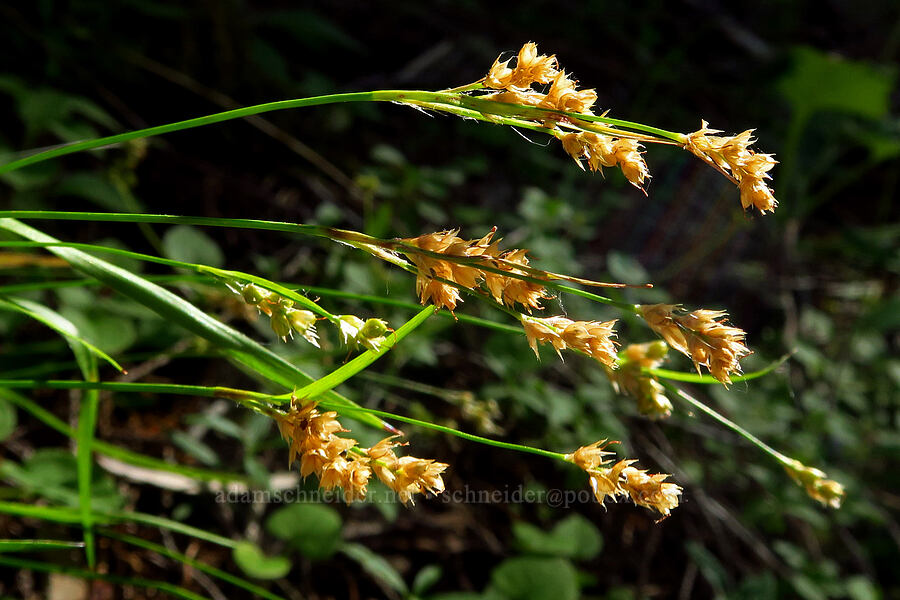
(589, 337)
(701, 335)
(732, 156)
(285, 319)
(532, 68)
(505, 290)
(339, 462)
(606, 151)
(827, 491)
(622, 479)
(629, 380)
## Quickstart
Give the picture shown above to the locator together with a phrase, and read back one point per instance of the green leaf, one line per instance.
(426, 578)
(195, 448)
(254, 563)
(376, 566)
(818, 81)
(189, 244)
(313, 529)
(532, 578)
(8, 419)
(59, 324)
(861, 588)
(178, 311)
(573, 537)
(7, 546)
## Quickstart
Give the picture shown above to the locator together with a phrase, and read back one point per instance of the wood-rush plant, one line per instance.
(528, 92)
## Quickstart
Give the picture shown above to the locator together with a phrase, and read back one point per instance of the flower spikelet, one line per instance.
(818, 487)
(650, 490)
(606, 151)
(622, 479)
(564, 95)
(512, 290)
(702, 335)
(504, 289)
(338, 462)
(630, 381)
(311, 435)
(530, 68)
(588, 337)
(406, 475)
(732, 155)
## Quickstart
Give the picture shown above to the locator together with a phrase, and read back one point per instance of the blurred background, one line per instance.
(819, 278)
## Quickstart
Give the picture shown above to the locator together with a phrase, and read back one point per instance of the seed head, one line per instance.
(605, 151)
(407, 475)
(733, 156)
(504, 289)
(621, 479)
(827, 491)
(629, 380)
(530, 68)
(704, 336)
(588, 337)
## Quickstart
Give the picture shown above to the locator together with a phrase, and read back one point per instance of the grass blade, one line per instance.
(180, 311)
(7, 546)
(59, 324)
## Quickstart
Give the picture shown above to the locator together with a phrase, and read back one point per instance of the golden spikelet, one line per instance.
(338, 462)
(530, 68)
(565, 95)
(702, 335)
(592, 338)
(648, 490)
(406, 475)
(732, 155)
(503, 288)
(606, 151)
(629, 380)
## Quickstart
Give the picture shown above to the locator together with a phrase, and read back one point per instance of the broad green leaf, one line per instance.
(533, 578)
(313, 529)
(8, 419)
(376, 566)
(573, 537)
(818, 81)
(189, 244)
(254, 563)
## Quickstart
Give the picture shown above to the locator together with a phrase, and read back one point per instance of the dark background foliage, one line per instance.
(819, 278)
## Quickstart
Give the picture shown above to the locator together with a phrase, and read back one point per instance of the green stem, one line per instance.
(697, 378)
(781, 458)
(162, 388)
(345, 372)
(450, 431)
(448, 99)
